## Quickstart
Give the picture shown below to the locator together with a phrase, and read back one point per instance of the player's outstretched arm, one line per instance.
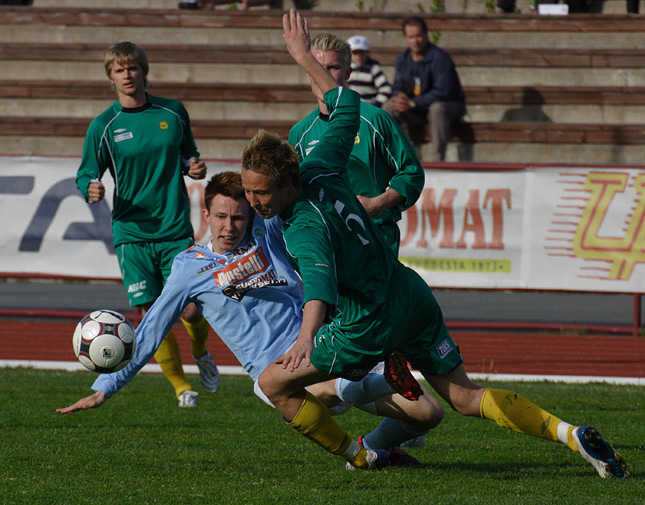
(296, 36)
(89, 402)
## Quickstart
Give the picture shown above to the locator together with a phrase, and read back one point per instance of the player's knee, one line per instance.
(271, 387)
(428, 414)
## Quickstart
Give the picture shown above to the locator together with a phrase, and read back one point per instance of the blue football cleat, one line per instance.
(597, 451)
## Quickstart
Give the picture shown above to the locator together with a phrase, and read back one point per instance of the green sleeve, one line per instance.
(409, 177)
(315, 261)
(188, 146)
(332, 152)
(95, 160)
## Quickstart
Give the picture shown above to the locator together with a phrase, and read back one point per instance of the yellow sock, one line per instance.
(314, 422)
(515, 412)
(198, 333)
(169, 360)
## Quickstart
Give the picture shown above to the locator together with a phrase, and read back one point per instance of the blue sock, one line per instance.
(390, 433)
(370, 388)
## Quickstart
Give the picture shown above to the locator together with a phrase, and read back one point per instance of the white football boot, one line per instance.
(597, 451)
(188, 398)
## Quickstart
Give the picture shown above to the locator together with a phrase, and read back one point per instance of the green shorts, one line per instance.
(145, 266)
(391, 235)
(410, 320)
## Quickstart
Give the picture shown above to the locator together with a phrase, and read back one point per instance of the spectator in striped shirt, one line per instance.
(367, 77)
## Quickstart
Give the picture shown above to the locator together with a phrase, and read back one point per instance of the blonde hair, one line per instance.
(329, 42)
(125, 53)
(267, 154)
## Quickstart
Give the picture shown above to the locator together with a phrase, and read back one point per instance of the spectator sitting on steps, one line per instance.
(367, 77)
(426, 89)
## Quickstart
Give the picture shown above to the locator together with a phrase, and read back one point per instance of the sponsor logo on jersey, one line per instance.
(212, 265)
(120, 130)
(200, 255)
(123, 136)
(311, 145)
(241, 251)
(444, 348)
(137, 286)
(243, 269)
(163, 125)
(238, 291)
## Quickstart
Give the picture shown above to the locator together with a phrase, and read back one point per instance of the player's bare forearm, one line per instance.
(296, 36)
(313, 315)
(385, 201)
(89, 402)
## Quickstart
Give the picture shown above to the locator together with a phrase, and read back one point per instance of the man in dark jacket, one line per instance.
(426, 90)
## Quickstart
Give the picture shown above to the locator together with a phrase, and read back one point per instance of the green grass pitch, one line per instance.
(140, 448)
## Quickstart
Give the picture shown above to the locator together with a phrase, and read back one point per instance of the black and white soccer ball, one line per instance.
(104, 341)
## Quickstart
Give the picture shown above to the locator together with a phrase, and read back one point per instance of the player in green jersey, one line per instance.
(147, 145)
(383, 168)
(360, 302)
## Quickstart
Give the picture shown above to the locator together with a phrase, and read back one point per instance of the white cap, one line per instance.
(359, 43)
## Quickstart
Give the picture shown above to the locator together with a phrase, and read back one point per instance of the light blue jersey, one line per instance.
(251, 297)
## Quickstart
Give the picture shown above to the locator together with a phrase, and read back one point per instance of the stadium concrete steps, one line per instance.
(80, 25)
(378, 6)
(230, 67)
(227, 138)
(590, 104)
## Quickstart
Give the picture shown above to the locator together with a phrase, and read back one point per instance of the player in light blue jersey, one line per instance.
(246, 289)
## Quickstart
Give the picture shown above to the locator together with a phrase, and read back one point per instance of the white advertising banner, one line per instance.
(551, 228)
(587, 230)
(48, 229)
(466, 229)
(540, 228)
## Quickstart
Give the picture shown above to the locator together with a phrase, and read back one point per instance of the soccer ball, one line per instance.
(104, 341)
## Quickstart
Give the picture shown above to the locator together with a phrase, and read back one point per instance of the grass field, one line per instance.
(139, 448)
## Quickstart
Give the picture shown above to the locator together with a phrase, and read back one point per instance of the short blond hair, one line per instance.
(329, 42)
(267, 154)
(125, 53)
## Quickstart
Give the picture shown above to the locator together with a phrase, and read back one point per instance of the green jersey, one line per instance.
(380, 304)
(382, 157)
(145, 149)
(327, 230)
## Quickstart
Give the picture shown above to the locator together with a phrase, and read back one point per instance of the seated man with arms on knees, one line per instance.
(426, 90)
